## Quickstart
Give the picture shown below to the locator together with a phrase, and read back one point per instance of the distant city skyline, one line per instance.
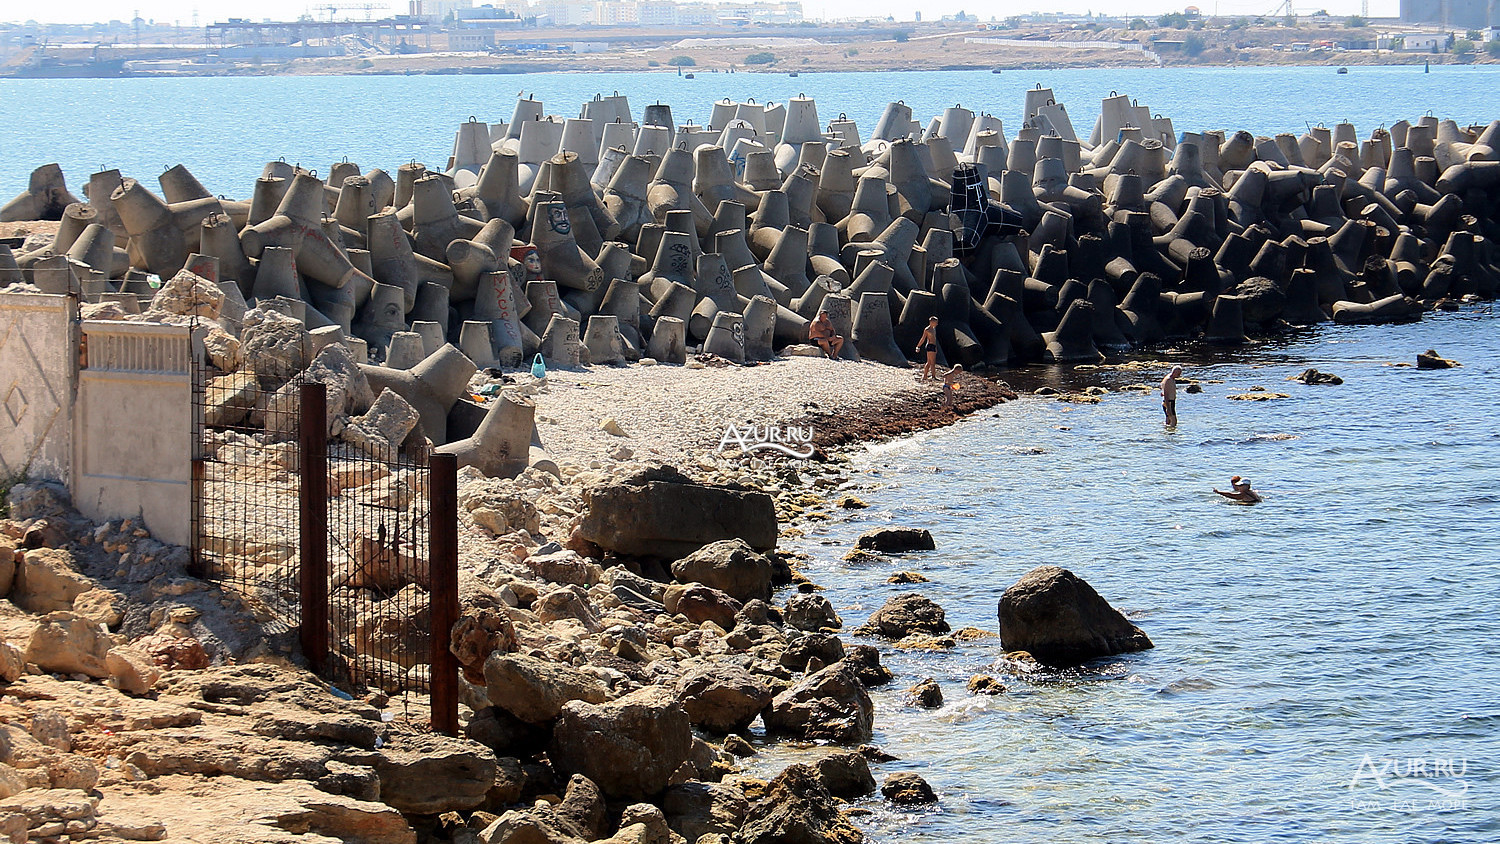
(180, 12)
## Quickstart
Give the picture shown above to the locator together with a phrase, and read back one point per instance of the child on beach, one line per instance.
(951, 385)
(928, 344)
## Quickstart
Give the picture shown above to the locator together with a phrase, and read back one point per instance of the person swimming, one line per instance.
(1241, 491)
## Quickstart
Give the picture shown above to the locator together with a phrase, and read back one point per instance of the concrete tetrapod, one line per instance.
(1073, 341)
(602, 340)
(45, 197)
(431, 387)
(872, 330)
(380, 317)
(726, 338)
(501, 446)
(561, 345)
(563, 261)
(495, 303)
(475, 342)
(668, 342)
(298, 224)
(404, 350)
(161, 235)
(759, 329)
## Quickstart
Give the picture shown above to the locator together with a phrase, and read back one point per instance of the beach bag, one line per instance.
(538, 369)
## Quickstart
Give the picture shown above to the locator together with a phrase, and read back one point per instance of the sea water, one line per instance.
(1325, 662)
(1311, 651)
(224, 129)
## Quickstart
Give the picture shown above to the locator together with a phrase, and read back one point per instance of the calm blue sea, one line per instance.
(225, 129)
(1352, 615)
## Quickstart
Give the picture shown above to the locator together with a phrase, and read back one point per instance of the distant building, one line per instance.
(1459, 14)
(471, 40)
(1422, 42)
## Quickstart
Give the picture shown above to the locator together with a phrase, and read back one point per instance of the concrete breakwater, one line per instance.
(651, 238)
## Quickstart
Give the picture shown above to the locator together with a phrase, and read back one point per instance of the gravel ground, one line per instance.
(667, 412)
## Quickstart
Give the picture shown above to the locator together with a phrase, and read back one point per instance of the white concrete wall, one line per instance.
(134, 417)
(38, 371)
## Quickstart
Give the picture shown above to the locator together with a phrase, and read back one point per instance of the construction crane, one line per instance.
(333, 9)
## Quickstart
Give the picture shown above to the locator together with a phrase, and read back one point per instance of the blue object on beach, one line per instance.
(538, 369)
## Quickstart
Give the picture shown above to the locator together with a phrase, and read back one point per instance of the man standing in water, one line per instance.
(1169, 395)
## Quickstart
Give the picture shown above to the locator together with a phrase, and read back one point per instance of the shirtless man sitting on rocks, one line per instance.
(820, 331)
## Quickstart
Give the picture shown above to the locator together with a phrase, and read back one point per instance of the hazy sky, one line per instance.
(181, 11)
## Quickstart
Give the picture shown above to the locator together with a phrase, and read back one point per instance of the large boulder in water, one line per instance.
(662, 514)
(1059, 619)
(1261, 300)
(827, 705)
(797, 809)
(905, 614)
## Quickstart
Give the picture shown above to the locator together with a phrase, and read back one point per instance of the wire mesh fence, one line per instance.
(327, 537)
(246, 478)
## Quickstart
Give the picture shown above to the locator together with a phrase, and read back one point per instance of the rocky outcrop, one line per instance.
(723, 698)
(895, 540)
(700, 603)
(812, 612)
(671, 519)
(926, 694)
(696, 809)
(907, 789)
(905, 614)
(730, 566)
(631, 747)
(430, 774)
(47, 580)
(828, 705)
(1060, 620)
(536, 690)
(846, 775)
(69, 644)
(797, 809)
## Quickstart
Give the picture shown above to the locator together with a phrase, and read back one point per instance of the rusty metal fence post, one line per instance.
(443, 580)
(312, 437)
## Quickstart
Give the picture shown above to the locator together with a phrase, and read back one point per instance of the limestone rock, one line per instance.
(567, 602)
(907, 789)
(846, 774)
(1430, 359)
(729, 565)
(189, 294)
(226, 810)
(1059, 619)
(722, 698)
(565, 567)
(631, 747)
(802, 650)
(67, 643)
(130, 670)
(12, 663)
(797, 809)
(38, 500)
(865, 659)
(381, 430)
(905, 614)
(275, 344)
(536, 690)
(428, 774)
(895, 540)
(222, 349)
(47, 580)
(926, 694)
(229, 398)
(700, 603)
(829, 704)
(812, 612)
(478, 633)
(671, 520)
(696, 809)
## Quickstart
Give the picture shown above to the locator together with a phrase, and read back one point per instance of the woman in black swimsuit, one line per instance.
(928, 344)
